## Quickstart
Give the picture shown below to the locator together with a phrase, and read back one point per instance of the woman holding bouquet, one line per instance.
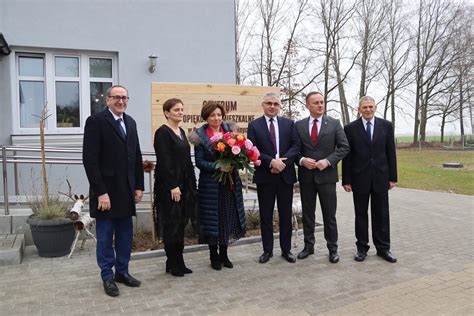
(175, 185)
(221, 206)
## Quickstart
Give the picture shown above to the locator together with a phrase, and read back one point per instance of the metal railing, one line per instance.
(9, 155)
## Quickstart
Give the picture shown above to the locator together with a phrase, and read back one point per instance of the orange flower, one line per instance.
(240, 137)
(220, 146)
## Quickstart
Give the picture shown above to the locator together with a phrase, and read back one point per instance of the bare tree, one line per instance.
(243, 25)
(395, 51)
(371, 33)
(335, 16)
(434, 57)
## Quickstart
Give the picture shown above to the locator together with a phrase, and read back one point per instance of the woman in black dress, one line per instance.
(175, 185)
(221, 206)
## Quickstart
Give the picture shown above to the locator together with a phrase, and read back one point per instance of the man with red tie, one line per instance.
(323, 145)
(279, 144)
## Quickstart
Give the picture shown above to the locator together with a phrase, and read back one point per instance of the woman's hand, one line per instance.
(226, 168)
(176, 194)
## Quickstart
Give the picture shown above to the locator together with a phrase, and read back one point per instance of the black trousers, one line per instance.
(283, 193)
(328, 201)
(380, 220)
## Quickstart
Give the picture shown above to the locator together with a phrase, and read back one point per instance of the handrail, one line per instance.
(24, 159)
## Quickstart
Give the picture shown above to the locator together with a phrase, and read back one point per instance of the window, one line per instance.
(73, 86)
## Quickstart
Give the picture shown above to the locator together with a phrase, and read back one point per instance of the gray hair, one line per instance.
(270, 95)
(107, 93)
(366, 98)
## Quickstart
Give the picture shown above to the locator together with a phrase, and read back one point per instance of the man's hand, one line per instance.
(322, 164)
(176, 194)
(138, 196)
(308, 163)
(391, 185)
(104, 202)
(278, 164)
(347, 187)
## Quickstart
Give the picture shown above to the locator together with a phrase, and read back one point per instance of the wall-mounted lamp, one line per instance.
(4, 48)
(153, 59)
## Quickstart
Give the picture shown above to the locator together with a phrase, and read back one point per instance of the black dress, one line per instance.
(174, 168)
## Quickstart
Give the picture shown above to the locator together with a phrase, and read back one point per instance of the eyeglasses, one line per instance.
(275, 104)
(118, 98)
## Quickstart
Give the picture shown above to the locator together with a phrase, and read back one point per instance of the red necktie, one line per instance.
(314, 132)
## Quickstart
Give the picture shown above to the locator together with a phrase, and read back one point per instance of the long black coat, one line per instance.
(370, 165)
(209, 188)
(113, 165)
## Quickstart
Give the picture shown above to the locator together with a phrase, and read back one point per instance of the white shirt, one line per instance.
(310, 128)
(277, 134)
(310, 123)
(122, 122)
(372, 121)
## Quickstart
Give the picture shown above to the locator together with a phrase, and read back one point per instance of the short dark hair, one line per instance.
(311, 94)
(210, 107)
(107, 93)
(170, 103)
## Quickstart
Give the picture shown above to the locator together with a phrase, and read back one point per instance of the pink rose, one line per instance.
(257, 163)
(235, 150)
(231, 141)
(248, 144)
(214, 138)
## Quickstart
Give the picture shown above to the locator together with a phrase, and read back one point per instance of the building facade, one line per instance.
(67, 53)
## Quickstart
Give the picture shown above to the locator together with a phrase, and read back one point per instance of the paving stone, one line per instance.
(428, 230)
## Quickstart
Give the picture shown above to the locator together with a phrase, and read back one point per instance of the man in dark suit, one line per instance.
(113, 163)
(278, 143)
(369, 171)
(323, 145)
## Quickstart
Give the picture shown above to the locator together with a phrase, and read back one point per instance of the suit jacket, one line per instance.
(113, 165)
(332, 145)
(370, 165)
(259, 134)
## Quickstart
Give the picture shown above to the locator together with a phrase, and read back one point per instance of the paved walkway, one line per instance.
(432, 236)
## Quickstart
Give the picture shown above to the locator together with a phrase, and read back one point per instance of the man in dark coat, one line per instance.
(369, 171)
(113, 163)
(323, 145)
(278, 143)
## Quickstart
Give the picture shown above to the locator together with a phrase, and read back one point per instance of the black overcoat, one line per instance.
(113, 165)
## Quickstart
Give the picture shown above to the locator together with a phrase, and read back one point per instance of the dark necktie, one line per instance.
(272, 134)
(369, 130)
(314, 132)
(122, 131)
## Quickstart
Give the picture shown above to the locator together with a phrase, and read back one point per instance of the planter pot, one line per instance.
(52, 237)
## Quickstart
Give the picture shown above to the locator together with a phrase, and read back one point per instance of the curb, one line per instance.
(194, 248)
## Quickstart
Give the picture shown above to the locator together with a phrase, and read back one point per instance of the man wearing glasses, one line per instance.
(278, 142)
(323, 145)
(113, 162)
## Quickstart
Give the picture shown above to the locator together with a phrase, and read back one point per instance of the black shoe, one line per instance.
(305, 253)
(333, 257)
(387, 256)
(185, 269)
(111, 288)
(360, 256)
(265, 257)
(288, 256)
(127, 279)
(224, 258)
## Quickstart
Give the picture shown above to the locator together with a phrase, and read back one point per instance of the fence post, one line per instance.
(5, 181)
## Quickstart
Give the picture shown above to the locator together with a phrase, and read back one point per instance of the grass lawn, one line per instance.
(423, 170)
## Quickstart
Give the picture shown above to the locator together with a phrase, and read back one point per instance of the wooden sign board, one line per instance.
(242, 103)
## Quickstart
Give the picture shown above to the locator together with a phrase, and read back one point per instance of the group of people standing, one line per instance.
(113, 163)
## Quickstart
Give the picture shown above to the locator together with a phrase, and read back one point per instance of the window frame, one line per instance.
(50, 80)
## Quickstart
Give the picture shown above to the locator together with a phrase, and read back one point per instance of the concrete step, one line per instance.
(12, 247)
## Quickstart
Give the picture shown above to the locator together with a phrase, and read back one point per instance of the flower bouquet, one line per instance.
(236, 151)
